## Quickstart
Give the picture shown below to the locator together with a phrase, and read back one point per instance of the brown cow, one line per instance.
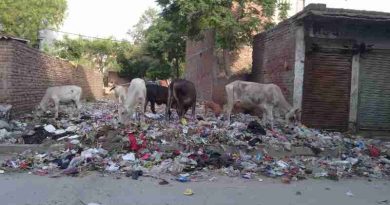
(267, 97)
(214, 107)
(182, 92)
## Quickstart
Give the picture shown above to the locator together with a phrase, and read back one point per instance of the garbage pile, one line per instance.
(189, 149)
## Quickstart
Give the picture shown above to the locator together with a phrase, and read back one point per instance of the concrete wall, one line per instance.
(26, 73)
(274, 58)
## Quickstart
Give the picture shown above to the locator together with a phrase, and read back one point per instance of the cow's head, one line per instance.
(293, 116)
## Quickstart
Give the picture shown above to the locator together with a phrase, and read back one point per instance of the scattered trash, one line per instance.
(129, 157)
(2, 171)
(349, 193)
(183, 179)
(163, 182)
(255, 128)
(192, 150)
(188, 192)
(50, 128)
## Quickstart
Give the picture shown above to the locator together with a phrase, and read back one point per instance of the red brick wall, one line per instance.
(274, 58)
(200, 65)
(204, 68)
(30, 72)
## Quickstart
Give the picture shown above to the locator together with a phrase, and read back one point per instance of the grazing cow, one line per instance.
(267, 97)
(246, 108)
(120, 93)
(136, 96)
(182, 92)
(164, 83)
(155, 94)
(60, 94)
(214, 107)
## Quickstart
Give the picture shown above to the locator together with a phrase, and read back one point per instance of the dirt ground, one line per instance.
(25, 189)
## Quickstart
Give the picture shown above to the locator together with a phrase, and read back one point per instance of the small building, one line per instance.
(334, 64)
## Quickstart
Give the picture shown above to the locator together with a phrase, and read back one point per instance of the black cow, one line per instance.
(155, 94)
(183, 93)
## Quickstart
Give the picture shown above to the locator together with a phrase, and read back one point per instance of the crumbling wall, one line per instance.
(26, 73)
(274, 58)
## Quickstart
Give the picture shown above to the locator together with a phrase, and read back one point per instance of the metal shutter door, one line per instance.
(326, 89)
(374, 94)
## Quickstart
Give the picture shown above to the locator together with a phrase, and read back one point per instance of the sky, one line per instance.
(105, 18)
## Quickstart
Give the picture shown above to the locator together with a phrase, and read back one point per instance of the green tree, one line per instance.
(97, 53)
(165, 42)
(24, 18)
(234, 21)
(139, 29)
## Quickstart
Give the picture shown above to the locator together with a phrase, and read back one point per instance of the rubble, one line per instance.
(190, 150)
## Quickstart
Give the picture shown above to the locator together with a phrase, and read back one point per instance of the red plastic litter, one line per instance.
(133, 142)
(374, 151)
(146, 156)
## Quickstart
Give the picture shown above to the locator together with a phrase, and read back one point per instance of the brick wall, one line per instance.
(26, 73)
(201, 64)
(210, 70)
(274, 58)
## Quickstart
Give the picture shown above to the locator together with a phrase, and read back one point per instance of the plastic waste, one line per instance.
(50, 128)
(129, 157)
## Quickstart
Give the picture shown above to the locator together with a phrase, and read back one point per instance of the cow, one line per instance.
(183, 93)
(214, 107)
(60, 94)
(120, 93)
(155, 94)
(164, 83)
(267, 97)
(136, 96)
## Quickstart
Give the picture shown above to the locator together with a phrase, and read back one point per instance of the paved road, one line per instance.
(24, 189)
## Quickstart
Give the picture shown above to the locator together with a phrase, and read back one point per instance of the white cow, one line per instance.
(268, 97)
(136, 96)
(60, 94)
(120, 93)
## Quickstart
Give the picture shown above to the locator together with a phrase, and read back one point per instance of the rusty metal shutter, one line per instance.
(374, 90)
(326, 89)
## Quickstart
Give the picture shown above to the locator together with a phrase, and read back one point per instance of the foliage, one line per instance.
(164, 42)
(159, 48)
(139, 29)
(24, 18)
(234, 21)
(97, 53)
(283, 6)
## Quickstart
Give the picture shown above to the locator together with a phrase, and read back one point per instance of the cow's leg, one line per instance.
(56, 105)
(169, 104)
(152, 106)
(143, 111)
(146, 105)
(230, 104)
(269, 115)
(78, 105)
(193, 111)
